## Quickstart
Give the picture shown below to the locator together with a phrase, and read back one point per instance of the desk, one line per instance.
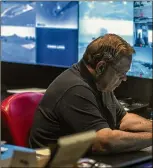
(110, 159)
(127, 158)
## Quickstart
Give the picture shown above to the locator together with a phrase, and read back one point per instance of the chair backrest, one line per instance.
(17, 111)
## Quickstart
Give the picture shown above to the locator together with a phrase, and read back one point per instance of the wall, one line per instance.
(15, 75)
(22, 75)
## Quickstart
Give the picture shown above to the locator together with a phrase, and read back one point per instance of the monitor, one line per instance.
(57, 33)
(130, 20)
(18, 39)
(38, 32)
(142, 64)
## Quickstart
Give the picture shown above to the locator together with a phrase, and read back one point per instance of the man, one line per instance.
(82, 99)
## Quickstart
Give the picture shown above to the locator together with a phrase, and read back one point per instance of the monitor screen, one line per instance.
(142, 64)
(57, 33)
(43, 33)
(130, 20)
(18, 39)
(98, 18)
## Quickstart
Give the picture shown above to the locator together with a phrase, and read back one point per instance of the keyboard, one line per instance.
(133, 106)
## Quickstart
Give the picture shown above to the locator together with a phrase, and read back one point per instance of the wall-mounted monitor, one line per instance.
(57, 33)
(44, 33)
(18, 39)
(97, 18)
(130, 20)
(142, 64)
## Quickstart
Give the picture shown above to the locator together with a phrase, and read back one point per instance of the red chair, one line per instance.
(17, 112)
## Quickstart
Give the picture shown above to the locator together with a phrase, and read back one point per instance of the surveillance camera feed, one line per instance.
(43, 33)
(57, 33)
(142, 64)
(47, 32)
(131, 20)
(18, 38)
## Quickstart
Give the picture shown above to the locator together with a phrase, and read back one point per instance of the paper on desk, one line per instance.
(42, 156)
(147, 149)
(43, 151)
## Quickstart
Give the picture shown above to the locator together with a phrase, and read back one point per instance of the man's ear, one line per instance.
(100, 67)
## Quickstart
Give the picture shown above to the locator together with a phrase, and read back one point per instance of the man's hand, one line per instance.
(135, 123)
(116, 141)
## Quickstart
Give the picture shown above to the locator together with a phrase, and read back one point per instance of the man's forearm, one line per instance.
(116, 141)
(134, 123)
(127, 141)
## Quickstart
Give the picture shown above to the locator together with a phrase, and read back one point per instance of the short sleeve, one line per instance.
(79, 109)
(120, 112)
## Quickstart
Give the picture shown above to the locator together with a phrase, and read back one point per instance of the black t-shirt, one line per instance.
(73, 104)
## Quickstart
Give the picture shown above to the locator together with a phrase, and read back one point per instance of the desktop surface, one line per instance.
(139, 158)
(146, 164)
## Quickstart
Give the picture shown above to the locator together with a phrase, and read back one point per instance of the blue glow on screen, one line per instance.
(18, 32)
(130, 20)
(57, 14)
(30, 30)
(57, 33)
(57, 47)
(99, 18)
(142, 63)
